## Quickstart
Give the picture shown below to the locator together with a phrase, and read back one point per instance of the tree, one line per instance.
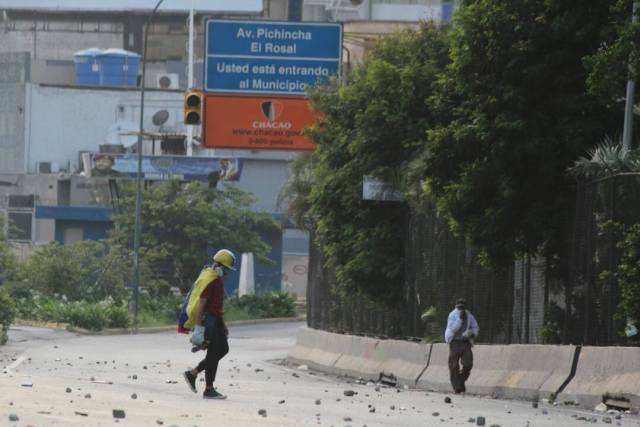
(514, 115)
(373, 125)
(180, 222)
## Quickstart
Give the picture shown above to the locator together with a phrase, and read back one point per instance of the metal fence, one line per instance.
(438, 268)
(520, 305)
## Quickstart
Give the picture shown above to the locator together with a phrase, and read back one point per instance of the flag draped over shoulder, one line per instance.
(186, 320)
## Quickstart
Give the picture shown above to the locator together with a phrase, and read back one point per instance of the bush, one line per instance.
(7, 314)
(161, 309)
(93, 316)
(272, 304)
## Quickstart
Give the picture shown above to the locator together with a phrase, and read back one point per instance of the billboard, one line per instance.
(256, 123)
(267, 57)
(162, 167)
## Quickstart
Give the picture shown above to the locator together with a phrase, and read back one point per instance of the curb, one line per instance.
(150, 330)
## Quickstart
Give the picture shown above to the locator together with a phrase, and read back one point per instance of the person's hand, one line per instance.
(468, 334)
(197, 338)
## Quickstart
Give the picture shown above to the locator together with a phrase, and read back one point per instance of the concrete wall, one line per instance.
(14, 73)
(64, 121)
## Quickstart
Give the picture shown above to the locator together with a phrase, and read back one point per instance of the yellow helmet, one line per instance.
(226, 258)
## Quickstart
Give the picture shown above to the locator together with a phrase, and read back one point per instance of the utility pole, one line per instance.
(190, 78)
(627, 131)
(137, 228)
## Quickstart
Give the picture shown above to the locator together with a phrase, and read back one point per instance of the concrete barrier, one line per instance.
(360, 358)
(511, 371)
(403, 359)
(436, 376)
(520, 371)
(316, 349)
(605, 370)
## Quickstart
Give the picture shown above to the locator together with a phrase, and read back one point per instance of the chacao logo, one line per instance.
(271, 110)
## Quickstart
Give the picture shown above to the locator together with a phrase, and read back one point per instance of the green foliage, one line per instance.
(628, 273)
(7, 314)
(93, 316)
(86, 270)
(606, 159)
(180, 222)
(514, 114)
(8, 261)
(372, 126)
(267, 305)
(616, 58)
(165, 309)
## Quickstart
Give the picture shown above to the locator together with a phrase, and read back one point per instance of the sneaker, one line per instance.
(191, 380)
(212, 394)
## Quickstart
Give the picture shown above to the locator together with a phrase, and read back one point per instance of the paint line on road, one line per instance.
(15, 364)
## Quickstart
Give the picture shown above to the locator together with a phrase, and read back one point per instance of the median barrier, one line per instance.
(404, 360)
(360, 358)
(511, 371)
(317, 349)
(436, 376)
(520, 371)
(605, 373)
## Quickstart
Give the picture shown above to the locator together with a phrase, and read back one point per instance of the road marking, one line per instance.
(15, 364)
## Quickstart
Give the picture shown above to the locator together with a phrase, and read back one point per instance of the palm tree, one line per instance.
(607, 159)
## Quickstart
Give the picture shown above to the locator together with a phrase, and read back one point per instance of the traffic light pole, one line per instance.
(137, 228)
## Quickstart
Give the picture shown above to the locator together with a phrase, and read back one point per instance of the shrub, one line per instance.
(272, 304)
(7, 314)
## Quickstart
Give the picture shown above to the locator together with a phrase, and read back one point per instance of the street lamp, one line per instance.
(136, 232)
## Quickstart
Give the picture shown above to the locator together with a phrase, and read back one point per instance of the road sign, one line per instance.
(256, 123)
(266, 57)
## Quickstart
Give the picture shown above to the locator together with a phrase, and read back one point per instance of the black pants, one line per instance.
(460, 354)
(217, 348)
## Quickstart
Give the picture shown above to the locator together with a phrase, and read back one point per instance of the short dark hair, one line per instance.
(461, 302)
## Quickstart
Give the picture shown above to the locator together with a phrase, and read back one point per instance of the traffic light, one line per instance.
(192, 107)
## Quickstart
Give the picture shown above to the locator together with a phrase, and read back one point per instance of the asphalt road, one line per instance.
(56, 378)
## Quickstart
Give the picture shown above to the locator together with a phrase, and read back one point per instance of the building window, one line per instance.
(20, 215)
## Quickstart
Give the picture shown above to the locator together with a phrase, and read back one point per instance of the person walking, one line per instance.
(210, 331)
(462, 328)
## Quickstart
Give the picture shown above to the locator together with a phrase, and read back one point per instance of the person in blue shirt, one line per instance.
(462, 328)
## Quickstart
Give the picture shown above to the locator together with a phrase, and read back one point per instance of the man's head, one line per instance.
(461, 303)
(226, 259)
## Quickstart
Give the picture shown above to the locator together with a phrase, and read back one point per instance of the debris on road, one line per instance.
(118, 413)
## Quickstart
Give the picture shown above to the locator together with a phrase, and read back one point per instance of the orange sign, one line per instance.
(256, 123)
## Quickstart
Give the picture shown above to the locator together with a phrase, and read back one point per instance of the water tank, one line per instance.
(118, 67)
(87, 66)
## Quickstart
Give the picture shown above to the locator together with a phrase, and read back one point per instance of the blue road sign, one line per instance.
(266, 57)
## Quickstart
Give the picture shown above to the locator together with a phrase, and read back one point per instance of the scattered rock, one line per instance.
(262, 412)
(82, 414)
(377, 388)
(447, 399)
(436, 414)
(27, 384)
(393, 407)
(134, 376)
(134, 396)
(118, 413)
(318, 401)
(144, 367)
(607, 420)
(349, 393)
(13, 417)
(480, 421)
(534, 405)
(600, 407)
(471, 420)
(545, 412)
(159, 422)
(372, 409)
(347, 419)
(68, 390)
(87, 396)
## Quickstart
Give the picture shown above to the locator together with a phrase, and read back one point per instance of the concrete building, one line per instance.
(47, 121)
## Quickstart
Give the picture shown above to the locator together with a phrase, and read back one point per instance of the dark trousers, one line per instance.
(217, 348)
(460, 354)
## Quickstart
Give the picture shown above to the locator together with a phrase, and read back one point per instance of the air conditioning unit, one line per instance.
(168, 81)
